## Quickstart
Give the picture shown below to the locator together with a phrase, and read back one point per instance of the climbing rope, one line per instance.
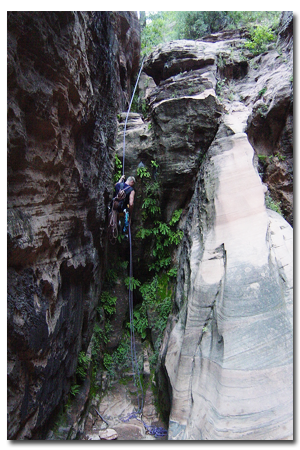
(113, 226)
(135, 365)
(112, 217)
(129, 112)
(153, 430)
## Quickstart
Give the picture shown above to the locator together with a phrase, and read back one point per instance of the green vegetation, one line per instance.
(163, 26)
(154, 310)
(158, 28)
(164, 236)
(262, 91)
(262, 158)
(142, 172)
(100, 336)
(118, 169)
(280, 157)
(108, 303)
(262, 109)
(83, 363)
(132, 283)
(272, 204)
(260, 37)
(74, 389)
(161, 238)
(120, 359)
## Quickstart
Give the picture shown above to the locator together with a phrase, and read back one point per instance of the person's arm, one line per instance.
(131, 203)
(121, 179)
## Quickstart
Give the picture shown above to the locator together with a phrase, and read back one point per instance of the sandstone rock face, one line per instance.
(117, 406)
(229, 355)
(270, 125)
(226, 359)
(65, 86)
(184, 117)
(127, 29)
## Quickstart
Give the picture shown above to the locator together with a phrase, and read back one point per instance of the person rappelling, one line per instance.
(121, 206)
(128, 200)
(123, 203)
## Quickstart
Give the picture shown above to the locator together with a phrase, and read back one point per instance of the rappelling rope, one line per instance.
(129, 112)
(113, 225)
(153, 430)
(135, 365)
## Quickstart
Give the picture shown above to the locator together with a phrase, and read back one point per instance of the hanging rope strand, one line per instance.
(129, 112)
(135, 365)
(156, 431)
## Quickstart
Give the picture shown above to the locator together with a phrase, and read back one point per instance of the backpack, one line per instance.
(118, 201)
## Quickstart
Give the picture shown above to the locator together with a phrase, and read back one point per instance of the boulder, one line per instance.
(108, 435)
(178, 56)
(93, 437)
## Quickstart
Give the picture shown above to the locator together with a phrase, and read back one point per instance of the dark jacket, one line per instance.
(123, 204)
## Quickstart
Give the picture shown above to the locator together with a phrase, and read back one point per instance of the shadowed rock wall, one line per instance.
(67, 79)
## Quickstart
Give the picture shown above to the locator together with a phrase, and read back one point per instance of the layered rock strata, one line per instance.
(270, 125)
(229, 356)
(67, 79)
(226, 358)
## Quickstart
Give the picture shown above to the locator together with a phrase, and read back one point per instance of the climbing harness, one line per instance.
(113, 235)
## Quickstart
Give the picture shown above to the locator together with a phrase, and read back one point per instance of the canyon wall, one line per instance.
(217, 114)
(219, 126)
(229, 354)
(69, 74)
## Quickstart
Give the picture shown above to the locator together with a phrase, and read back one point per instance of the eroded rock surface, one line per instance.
(226, 359)
(269, 90)
(66, 82)
(229, 356)
(119, 407)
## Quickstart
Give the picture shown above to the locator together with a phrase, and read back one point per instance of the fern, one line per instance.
(175, 217)
(143, 233)
(154, 164)
(172, 272)
(164, 228)
(142, 172)
(108, 303)
(132, 283)
(83, 364)
(175, 238)
(150, 204)
(118, 169)
(107, 361)
(74, 389)
(140, 321)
